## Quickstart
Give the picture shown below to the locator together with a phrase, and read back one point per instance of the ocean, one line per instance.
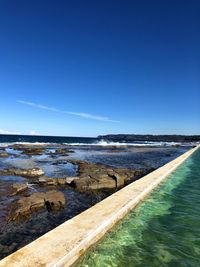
(68, 140)
(45, 139)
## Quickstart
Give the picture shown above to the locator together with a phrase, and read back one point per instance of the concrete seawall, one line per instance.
(66, 243)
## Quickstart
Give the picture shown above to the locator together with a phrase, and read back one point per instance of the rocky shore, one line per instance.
(41, 186)
(90, 177)
(25, 206)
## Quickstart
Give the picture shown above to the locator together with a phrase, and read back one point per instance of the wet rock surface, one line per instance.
(4, 155)
(44, 180)
(29, 150)
(25, 206)
(18, 188)
(63, 151)
(34, 172)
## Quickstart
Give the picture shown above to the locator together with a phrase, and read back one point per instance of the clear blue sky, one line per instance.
(84, 68)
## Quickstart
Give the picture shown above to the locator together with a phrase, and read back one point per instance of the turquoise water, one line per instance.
(162, 231)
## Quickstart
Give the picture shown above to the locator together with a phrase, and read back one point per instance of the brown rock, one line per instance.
(44, 180)
(63, 151)
(24, 207)
(96, 176)
(89, 183)
(4, 155)
(34, 172)
(18, 188)
(70, 180)
(119, 179)
(29, 149)
(54, 200)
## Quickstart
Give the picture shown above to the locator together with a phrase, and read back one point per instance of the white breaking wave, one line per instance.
(106, 143)
(98, 143)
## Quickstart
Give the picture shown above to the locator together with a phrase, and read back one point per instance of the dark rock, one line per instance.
(33, 151)
(59, 162)
(63, 151)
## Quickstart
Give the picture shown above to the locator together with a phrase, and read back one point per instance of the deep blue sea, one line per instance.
(46, 139)
(39, 139)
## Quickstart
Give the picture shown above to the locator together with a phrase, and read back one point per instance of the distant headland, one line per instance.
(149, 137)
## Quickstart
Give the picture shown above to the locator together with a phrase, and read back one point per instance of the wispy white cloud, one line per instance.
(8, 132)
(79, 114)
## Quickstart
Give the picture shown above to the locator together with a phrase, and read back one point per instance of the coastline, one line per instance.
(87, 226)
(83, 175)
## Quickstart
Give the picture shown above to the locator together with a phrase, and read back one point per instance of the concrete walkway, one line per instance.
(66, 243)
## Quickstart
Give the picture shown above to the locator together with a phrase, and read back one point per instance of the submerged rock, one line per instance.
(24, 207)
(4, 155)
(34, 172)
(62, 151)
(31, 151)
(60, 162)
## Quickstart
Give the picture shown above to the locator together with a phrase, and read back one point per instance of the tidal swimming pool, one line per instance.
(164, 230)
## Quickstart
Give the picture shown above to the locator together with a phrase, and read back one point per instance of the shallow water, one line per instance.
(48, 164)
(131, 157)
(162, 231)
